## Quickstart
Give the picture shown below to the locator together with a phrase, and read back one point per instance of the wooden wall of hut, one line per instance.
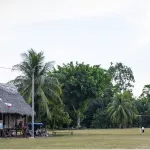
(11, 120)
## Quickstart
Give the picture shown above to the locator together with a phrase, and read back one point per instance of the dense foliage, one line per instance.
(80, 95)
(81, 82)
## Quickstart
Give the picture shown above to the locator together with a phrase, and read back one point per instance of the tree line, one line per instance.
(79, 95)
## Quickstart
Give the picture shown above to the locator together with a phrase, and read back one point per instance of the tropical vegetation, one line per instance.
(79, 95)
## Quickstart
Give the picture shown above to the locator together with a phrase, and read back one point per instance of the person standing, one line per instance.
(142, 129)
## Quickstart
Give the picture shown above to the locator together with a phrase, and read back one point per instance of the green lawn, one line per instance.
(110, 138)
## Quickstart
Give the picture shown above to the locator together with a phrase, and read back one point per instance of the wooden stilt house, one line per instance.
(13, 107)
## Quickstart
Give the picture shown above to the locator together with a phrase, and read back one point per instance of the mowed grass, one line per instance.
(84, 139)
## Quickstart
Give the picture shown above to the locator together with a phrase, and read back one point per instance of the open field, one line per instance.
(109, 138)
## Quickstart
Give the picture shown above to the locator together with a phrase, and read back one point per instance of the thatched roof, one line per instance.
(10, 95)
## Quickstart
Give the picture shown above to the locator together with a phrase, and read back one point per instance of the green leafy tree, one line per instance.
(59, 117)
(143, 106)
(81, 82)
(46, 88)
(99, 103)
(101, 119)
(146, 92)
(122, 109)
(143, 102)
(122, 77)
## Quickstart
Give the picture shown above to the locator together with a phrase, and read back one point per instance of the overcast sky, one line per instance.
(90, 31)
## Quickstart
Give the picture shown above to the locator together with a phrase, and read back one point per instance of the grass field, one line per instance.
(84, 139)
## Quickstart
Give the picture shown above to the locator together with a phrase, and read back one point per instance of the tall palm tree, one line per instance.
(122, 110)
(47, 88)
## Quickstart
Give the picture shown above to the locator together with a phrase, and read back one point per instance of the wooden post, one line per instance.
(3, 120)
(8, 121)
(25, 119)
(15, 121)
(2, 124)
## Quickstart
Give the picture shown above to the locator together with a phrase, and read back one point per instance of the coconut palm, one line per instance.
(122, 110)
(47, 88)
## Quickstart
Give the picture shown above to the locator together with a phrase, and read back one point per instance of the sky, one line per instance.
(90, 31)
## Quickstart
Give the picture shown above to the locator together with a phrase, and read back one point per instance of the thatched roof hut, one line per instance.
(10, 95)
